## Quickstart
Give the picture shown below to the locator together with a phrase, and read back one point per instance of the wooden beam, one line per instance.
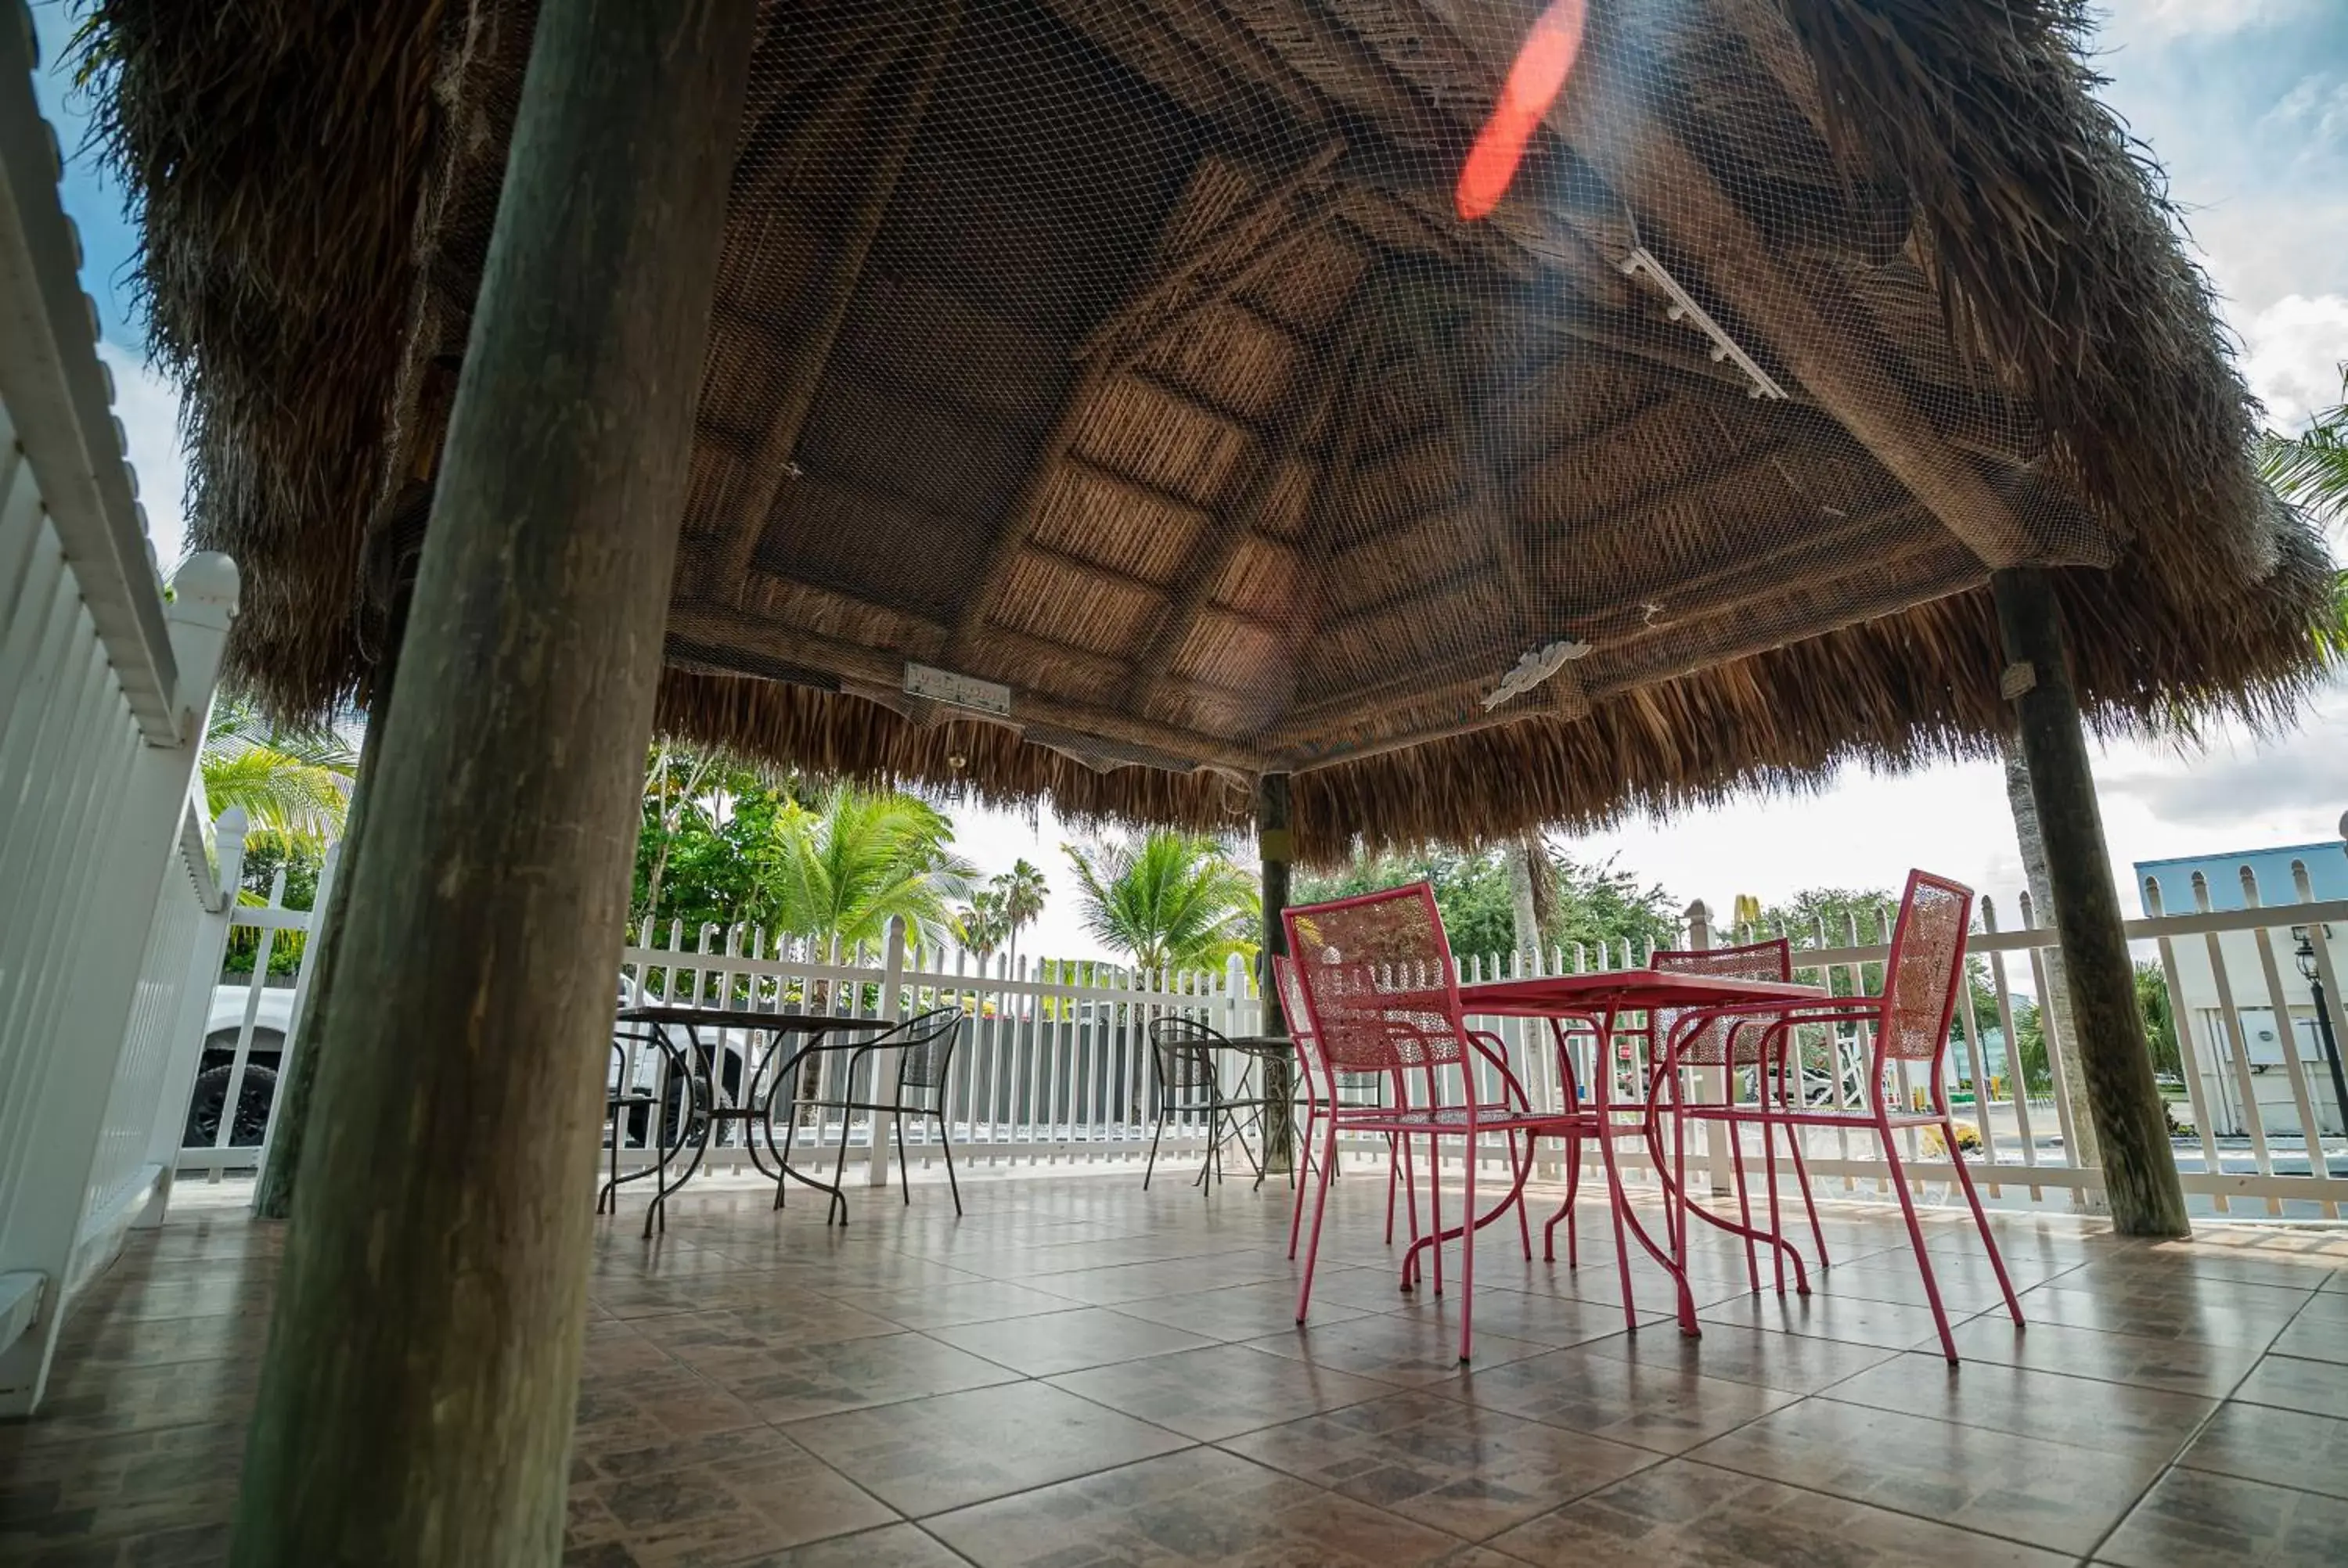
(1325, 508)
(1747, 582)
(422, 1369)
(804, 357)
(1422, 685)
(1530, 612)
(884, 671)
(2139, 1169)
(1301, 426)
(1310, 758)
(1780, 566)
(1097, 371)
(1237, 244)
(1615, 118)
(1589, 532)
(1137, 491)
(1953, 570)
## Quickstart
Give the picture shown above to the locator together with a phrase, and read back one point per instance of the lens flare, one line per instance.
(1533, 83)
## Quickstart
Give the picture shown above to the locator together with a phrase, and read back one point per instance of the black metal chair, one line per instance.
(659, 1109)
(924, 1045)
(1185, 1058)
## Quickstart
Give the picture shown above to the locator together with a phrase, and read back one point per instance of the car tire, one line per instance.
(211, 1095)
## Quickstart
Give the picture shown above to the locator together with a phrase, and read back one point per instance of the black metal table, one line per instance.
(705, 1082)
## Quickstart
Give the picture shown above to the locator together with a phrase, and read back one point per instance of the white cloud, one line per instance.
(2292, 354)
(2159, 21)
(2314, 111)
(148, 406)
(2273, 789)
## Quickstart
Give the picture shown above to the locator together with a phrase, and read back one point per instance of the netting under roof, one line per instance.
(1118, 377)
(1133, 357)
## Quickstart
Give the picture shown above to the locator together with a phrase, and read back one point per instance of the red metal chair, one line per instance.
(1730, 1043)
(1382, 996)
(1910, 1024)
(1398, 1165)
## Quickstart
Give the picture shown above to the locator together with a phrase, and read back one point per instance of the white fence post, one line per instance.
(298, 1012)
(193, 1007)
(884, 1061)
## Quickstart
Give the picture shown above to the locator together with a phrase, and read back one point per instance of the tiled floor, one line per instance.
(1079, 1372)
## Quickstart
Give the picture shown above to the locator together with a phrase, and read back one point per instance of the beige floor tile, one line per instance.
(1201, 1507)
(928, 1455)
(1220, 1391)
(2116, 1418)
(1461, 1467)
(2047, 1494)
(1668, 1408)
(2193, 1519)
(1684, 1515)
(1064, 1341)
(2288, 1447)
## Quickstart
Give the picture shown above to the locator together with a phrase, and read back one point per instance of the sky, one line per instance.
(2245, 105)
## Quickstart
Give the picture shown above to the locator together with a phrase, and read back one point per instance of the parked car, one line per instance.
(273, 1020)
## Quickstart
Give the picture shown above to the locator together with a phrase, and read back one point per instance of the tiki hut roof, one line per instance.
(1104, 400)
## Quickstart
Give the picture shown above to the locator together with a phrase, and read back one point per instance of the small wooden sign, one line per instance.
(2017, 679)
(957, 690)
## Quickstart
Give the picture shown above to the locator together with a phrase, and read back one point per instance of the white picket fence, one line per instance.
(1054, 1067)
(110, 894)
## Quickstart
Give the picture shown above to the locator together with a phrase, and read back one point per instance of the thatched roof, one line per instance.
(1129, 355)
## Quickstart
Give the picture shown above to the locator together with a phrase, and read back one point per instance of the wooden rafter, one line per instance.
(1613, 117)
(1325, 509)
(1495, 518)
(880, 674)
(1263, 219)
(1595, 534)
(1245, 245)
(1302, 427)
(805, 356)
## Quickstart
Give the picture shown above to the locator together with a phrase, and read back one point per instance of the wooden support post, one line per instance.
(415, 1400)
(1275, 846)
(2139, 1167)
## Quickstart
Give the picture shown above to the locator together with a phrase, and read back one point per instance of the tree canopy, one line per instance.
(1590, 902)
(293, 783)
(1172, 900)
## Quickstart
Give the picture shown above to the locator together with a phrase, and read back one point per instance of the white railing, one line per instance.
(2241, 1144)
(104, 689)
(243, 1033)
(1050, 1063)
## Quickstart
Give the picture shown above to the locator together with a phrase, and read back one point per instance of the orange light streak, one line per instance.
(1533, 83)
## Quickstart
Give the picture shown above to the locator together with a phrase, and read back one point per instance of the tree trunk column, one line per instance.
(416, 1397)
(1275, 848)
(2139, 1167)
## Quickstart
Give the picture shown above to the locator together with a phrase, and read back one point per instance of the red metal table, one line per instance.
(1598, 1000)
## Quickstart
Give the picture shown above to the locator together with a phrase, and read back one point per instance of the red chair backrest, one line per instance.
(1709, 1045)
(1926, 967)
(1377, 979)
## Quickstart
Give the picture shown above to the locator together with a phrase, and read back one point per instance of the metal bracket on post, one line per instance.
(884, 1061)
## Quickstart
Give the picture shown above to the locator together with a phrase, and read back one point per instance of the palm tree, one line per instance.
(1020, 892)
(982, 924)
(2311, 472)
(293, 783)
(847, 868)
(1174, 901)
